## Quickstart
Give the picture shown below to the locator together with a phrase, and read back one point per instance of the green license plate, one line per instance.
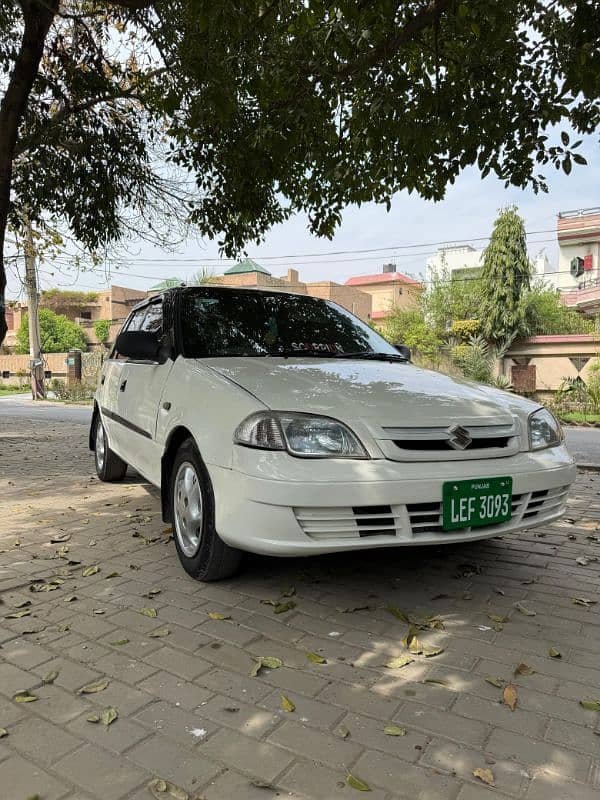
(473, 503)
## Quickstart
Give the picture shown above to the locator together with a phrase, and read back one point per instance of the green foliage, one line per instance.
(505, 278)
(450, 298)
(408, 326)
(102, 330)
(464, 329)
(58, 334)
(545, 313)
(78, 392)
(474, 360)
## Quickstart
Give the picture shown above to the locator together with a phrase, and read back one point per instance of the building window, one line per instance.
(86, 315)
(47, 374)
(399, 291)
(6, 373)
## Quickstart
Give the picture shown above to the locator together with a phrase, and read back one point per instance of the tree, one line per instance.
(545, 313)
(102, 330)
(505, 279)
(58, 334)
(408, 326)
(450, 297)
(282, 106)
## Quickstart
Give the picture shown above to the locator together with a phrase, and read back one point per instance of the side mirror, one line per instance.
(139, 345)
(403, 350)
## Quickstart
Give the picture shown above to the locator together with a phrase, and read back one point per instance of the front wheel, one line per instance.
(203, 554)
(109, 467)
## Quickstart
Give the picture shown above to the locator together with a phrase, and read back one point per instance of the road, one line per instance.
(584, 443)
(21, 405)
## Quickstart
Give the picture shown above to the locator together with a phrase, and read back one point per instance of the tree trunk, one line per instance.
(37, 17)
(35, 345)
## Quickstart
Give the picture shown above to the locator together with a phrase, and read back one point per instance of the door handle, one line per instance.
(122, 386)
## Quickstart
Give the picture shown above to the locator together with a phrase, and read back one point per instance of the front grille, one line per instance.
(356, 522)
(427, 517)
(435, 443)
(444, 444)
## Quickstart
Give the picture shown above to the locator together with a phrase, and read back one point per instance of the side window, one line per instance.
(135, 323)
(153, 321)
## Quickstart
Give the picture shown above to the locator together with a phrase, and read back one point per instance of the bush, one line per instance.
(58, 334)
(102, 330)
(78, 392)
(465, 328)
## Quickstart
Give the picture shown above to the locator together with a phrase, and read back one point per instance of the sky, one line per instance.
(467, 213)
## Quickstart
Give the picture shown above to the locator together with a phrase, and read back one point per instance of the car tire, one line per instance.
(203, 554)
(109, 467)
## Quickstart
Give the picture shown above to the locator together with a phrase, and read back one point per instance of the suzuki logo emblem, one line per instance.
(458, 437)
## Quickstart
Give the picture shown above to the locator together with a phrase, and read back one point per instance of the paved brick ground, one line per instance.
(189, 712)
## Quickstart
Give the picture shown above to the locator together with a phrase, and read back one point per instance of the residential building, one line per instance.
(388, 289)
(465, 257)
(249, 273)
(579, 259)
(113, 304)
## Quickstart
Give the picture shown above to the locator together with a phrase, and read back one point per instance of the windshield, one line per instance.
(230, 322)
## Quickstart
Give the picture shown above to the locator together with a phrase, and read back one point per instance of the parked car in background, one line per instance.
(281, 424)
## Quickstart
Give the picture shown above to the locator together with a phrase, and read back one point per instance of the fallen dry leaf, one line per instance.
(268, 662)
(218, 615)
(119, 642)
(357, 783)
(165, 790)
(92, 570)
(484, 775)
(281, 608)
(25, 697)
(93, 688)
(315, 658)
(159, 633)
(523, 669)
(524, 610)
(3, 733)
(590, 705)
(394, 730)
(399, 662)
(108, 715)
(498, 618)
(342, 732)
(510, 696)
(554, 653)
(148, 612)
(50, 677)
(286, 704)
(497, 682)
(583, 601)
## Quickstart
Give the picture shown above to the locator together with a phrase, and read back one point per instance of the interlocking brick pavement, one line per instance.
(188, 709)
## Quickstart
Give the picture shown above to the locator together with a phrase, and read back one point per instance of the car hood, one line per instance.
(383, 392)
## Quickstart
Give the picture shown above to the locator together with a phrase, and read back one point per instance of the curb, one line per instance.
(588, 467)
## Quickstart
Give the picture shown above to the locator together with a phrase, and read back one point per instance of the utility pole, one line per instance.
(35, 345)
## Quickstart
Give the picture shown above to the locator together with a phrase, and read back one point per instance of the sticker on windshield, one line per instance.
(324, 347)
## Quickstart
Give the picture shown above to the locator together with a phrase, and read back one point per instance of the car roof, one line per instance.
(247, 289)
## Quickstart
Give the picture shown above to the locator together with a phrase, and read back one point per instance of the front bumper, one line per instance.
(267, 505)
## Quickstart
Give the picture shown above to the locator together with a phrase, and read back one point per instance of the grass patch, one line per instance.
(5, 389)
(579, 416)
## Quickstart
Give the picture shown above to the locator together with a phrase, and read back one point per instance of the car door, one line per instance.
(109, 395)
(140, 392)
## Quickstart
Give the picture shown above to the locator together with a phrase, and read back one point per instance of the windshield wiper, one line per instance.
(372, 356)
(303, 353)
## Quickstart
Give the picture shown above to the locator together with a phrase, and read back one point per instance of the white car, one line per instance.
(281, 424)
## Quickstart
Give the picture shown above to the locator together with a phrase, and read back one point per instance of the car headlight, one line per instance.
(301, 435)
(544, 430)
